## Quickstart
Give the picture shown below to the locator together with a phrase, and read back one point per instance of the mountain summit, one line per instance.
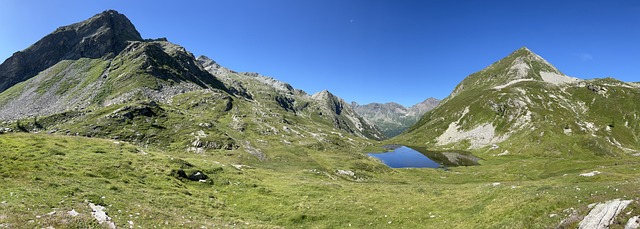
(522, 103)
(521, 65)
(96, 63)
(105, 34)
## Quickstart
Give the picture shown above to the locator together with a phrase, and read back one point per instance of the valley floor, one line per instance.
(46, 176)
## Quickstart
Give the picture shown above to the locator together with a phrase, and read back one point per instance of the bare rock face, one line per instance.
(603, 214)
(105, 34)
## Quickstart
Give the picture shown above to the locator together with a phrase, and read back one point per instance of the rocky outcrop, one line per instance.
(603, 214)
(597, 89)
(344, 117)
(193, 176)
(105, 34)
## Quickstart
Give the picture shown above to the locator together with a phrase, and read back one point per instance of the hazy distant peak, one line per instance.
(393, 118)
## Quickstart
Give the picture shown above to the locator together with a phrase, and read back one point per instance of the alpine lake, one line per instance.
(400, 156)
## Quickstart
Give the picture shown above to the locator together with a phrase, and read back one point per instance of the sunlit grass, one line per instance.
(44, 173)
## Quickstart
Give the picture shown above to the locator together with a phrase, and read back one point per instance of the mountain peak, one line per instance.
(108, 23)
(526, 55)
(105, 34)
(108, 14)
(322, 94)
(207, 62)
(525, 49)
(521, 65)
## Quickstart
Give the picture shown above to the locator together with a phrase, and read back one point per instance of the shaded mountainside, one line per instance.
(522, 104)
(393, 118)
(101, 79)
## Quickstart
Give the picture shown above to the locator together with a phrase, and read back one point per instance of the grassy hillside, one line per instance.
(45, 173)
(529, 116)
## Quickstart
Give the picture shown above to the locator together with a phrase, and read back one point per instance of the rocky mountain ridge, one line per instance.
(265, 90)
(393, 118)
(102, 79)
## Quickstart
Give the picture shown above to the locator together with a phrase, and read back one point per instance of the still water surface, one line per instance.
(405, 157)
(401, 156)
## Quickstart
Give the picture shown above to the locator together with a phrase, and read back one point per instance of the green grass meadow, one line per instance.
(44, 176)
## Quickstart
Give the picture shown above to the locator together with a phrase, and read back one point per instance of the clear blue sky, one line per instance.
(365, 50)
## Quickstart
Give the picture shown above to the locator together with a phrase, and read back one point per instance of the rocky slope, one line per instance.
(100, 78)
(265, 92)
(523, 104)
(393, 118)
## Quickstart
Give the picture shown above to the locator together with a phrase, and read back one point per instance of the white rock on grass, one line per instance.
(238, 167)
(479, 136)
(506, 152)
(73, 213)
(100, 215)
(511, 83)
(590, 174)
(603, 214)
(633, 223)
(346, 172)
(557, 79)
(519, 68)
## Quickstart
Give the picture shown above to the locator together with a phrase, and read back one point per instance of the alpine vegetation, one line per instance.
(101, 128)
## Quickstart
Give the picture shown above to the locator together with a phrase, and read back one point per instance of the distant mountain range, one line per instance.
(393, 118)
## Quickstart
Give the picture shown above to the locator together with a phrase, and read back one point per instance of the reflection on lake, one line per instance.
(401, 156)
